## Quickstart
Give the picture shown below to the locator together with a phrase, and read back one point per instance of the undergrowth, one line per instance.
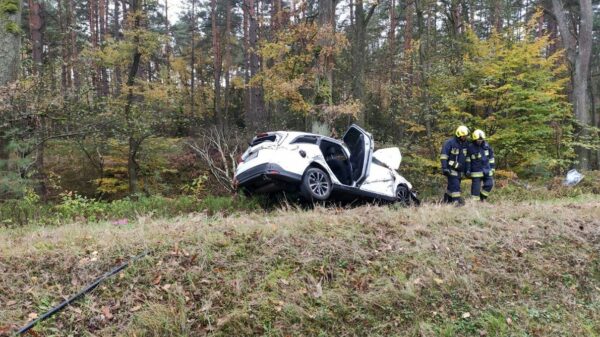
(74, 207)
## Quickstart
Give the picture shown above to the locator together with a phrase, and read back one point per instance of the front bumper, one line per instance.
(266, 174)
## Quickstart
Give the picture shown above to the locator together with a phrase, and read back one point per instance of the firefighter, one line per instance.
(480, 166)
(453, 158)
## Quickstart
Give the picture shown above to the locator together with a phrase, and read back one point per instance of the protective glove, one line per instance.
(446, 172)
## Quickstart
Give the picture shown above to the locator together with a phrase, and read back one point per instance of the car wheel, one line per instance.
(316, 185)
(403, 195)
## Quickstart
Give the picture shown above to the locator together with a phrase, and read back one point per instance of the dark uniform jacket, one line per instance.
(454, 155)
(480, 160)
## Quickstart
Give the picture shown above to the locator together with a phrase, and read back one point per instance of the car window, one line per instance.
(258, 140)
(305, 140)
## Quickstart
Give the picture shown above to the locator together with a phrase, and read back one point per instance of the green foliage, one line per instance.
(13, 28)
(74, 207)
(515, 93)
(9, 7)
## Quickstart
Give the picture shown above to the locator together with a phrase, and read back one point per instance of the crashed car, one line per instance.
(323, 168)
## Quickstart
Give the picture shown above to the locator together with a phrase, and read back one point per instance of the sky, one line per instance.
(175, 8)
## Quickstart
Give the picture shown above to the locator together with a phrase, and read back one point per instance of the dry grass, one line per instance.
(520, 269)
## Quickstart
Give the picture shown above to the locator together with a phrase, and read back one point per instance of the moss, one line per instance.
(13, 28)
(9, 6)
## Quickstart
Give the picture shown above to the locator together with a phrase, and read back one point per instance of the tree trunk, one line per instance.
(392, 39)
(255, 117)
(102, 22)
(36, 23)
(10, 46)
(217, 63)
(227, 61)
(40, 171)
(10, 61)
(117, 36)
(92, 22)
(64, 50)
(579, 50)
(134, 144)
(326, 20)
(359, 51)
(193, 60)
(73, 52)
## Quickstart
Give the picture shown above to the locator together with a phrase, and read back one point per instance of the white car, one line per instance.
(322, 167)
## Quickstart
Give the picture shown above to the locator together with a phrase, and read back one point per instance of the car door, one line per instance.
(360, 144)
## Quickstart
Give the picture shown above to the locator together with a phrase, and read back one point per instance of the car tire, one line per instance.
(316, 185)
(403, 195)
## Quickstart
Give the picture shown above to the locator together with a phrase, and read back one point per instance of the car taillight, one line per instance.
(273, 172)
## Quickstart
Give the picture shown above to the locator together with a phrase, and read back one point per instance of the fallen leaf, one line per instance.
(318, 290)
(508, 321)
(75, 310)
(157, 279)
(482, 333)
(32, 316)
(120, 222)
(222, 321)
(9, 303)
(136, 308)
(166, 287)
(438, 281)
(106, 312)
(466, 315)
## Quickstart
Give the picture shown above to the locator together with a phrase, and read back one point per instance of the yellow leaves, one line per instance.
(295, 62)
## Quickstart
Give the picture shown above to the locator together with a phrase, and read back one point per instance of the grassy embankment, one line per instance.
(510, 268)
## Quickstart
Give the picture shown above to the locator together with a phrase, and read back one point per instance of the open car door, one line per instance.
(360, 144)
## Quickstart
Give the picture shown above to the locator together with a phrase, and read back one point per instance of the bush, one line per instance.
(74, 207)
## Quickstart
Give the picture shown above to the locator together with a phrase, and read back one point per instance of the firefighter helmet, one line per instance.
(478, 134)
(462, 131)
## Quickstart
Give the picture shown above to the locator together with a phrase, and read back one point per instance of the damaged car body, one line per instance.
(323, 168)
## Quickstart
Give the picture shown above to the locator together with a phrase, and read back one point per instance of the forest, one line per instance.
(106, 99)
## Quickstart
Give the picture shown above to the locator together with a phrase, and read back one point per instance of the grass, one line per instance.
(505, 269)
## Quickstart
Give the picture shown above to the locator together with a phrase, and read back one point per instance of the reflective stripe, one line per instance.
(443, 156)
(484, 193)
(475, 197)
(491, 173)
(492, 161)
(451, 163)
(455, 194)
(468, 160)
(474, 156)
(476, 174)
(453, 173)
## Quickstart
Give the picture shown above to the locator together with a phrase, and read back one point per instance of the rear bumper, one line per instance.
(265, 174)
